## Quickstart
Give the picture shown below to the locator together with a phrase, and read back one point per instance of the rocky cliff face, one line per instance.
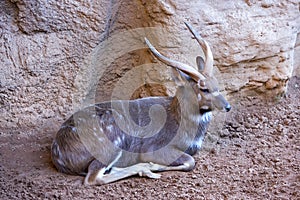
(58, 55)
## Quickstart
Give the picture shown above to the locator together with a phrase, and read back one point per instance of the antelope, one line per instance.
(113, 140)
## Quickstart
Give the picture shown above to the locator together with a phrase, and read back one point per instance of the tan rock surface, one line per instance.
(48, 50)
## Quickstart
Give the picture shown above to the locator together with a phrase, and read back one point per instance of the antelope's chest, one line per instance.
(196, 143)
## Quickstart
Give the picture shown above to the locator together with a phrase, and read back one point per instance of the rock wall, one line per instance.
(59, 55)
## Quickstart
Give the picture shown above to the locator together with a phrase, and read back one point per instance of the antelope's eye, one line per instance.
(205, 90)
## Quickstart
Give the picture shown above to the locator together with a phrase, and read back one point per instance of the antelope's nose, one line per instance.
(228, 107)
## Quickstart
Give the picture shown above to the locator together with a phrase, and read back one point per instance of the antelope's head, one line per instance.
(202, 80)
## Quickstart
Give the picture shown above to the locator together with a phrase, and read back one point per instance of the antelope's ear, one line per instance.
(185, 76)
(180, 77)
(200, 63)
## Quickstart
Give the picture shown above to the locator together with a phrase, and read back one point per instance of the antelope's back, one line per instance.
(111, 126)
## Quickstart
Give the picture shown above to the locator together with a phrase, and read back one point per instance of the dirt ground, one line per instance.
(257, 156)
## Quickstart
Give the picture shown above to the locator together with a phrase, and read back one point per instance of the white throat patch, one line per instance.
(206, 117)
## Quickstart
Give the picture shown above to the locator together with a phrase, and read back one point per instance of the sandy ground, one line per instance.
(257, 156)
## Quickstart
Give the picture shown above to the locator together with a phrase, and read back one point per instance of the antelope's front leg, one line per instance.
(100, 177)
